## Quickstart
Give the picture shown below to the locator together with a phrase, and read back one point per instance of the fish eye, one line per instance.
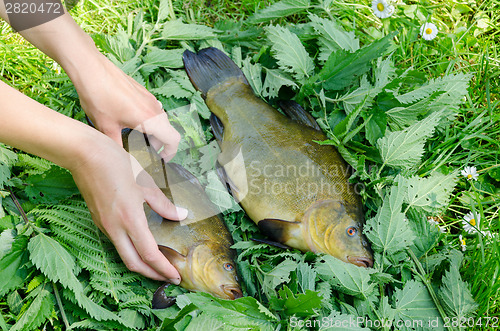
(351, 231)
(228, 266)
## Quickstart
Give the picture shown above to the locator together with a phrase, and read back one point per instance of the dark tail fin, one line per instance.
(209, 67)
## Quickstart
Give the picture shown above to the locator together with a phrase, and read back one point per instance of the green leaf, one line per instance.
(428, 234)
(346, 277)
(306, 276)
(165, 58)
(454, 293)
(52, 186)
(291, 54)
(342, 67)
(245, 312)
(304, 304)
(204, 322)
(279, 274)
(168, 323)
(403, 149)
(11, 273)
(332, 37)
(165, 10)
(337, 321)
(376, 125)
(280, 9)
(389, 231)
(172, 89)
(414, 307)
(176, 30)
(37, 312)
(430, 194)
(253, 74)
(218, 194)
(275, 79)
(6, 241)
(7, 159)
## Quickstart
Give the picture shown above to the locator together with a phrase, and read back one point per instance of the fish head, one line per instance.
(213, 270)
(332, 230)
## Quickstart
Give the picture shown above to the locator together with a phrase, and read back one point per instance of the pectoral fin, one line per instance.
(270, 242)
(298, 114)
(160, 299)
(178, 260)
(279, 230)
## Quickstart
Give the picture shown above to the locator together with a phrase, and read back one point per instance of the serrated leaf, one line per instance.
(389, 231)
(346, 277)
(165, 10)
(11, 273)
(414, 307)
(454, 293)
(253, 74)
(167, 58)
(332, 37)
(280, 274)
(275, 79)
(37, 312)
(7, 159)
(430, 194)
(6, 241)
(218, 194)
(177, 30)
(204, 322)
(291, 54)
(342, 67)
(172, 89)
(403, 149)
(306, 277)
(280, 9)
(52, 186)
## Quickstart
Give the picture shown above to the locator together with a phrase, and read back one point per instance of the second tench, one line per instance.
(296, 191)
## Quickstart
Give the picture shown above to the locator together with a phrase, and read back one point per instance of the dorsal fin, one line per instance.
(298, 114)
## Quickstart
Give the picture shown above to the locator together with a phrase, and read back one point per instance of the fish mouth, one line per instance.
(232, 291)
(365, 262)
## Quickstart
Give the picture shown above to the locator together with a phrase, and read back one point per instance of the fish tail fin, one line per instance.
(209, 68)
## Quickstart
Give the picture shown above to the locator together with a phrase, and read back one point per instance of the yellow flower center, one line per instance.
(472, 222)
(428, 31)
(469, 176)
(463, 242)
(380, 6)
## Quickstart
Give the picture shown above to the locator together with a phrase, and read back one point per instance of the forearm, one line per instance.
(64, 41)
(34, 128)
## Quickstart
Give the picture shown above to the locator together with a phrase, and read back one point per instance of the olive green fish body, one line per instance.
(199, 247)
(297, 191)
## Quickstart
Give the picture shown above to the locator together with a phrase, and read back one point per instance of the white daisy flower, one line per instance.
(428, 31)
(382, 9)
(470, 173)
(471, 223)
(432, 221)
(462, 243)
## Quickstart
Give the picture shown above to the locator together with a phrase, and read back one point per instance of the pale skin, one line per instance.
(101, 168)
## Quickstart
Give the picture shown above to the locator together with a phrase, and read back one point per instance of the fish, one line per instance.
(199, 247)
(295, 190)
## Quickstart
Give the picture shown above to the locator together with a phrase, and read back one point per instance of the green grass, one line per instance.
(468, 41)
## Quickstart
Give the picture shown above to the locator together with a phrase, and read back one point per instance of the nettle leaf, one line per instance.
(389, 231)
(430, 194)
(6, 241)
(414, 308)
(346, 277)
(453, 83)
(280, 274)
(253, 73)
(306, 277)
(338, 321)
(291, 54)
(167, 58)
(343, 68)
(12, 274)
(279, 10)
(304, 304)
(172, 88)
(165, 10)
(52, 186)
(275, 79)
(7, 159)
(37, 312)
(218, 194)
(403, 149)
(245, 312)
(427, 233)
(332, 37)
(176, 30)
(454, 293)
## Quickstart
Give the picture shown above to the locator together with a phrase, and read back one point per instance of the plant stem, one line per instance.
(61, 307)
(18, 206)
(421, 273)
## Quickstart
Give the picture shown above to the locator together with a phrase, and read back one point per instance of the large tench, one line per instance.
(296, 191)
(199, 247)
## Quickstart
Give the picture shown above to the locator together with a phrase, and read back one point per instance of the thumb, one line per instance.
(157, 200)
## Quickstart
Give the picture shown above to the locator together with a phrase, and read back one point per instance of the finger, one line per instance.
(146, 247)
(114, 133)
(157, 200)
(165, 133)
(134, 261)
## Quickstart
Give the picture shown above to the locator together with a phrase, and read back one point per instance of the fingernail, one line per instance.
(175, 281)
(182, 213)
(161, 105)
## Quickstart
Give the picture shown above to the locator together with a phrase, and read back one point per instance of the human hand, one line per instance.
(114, 101)
(115, 200)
